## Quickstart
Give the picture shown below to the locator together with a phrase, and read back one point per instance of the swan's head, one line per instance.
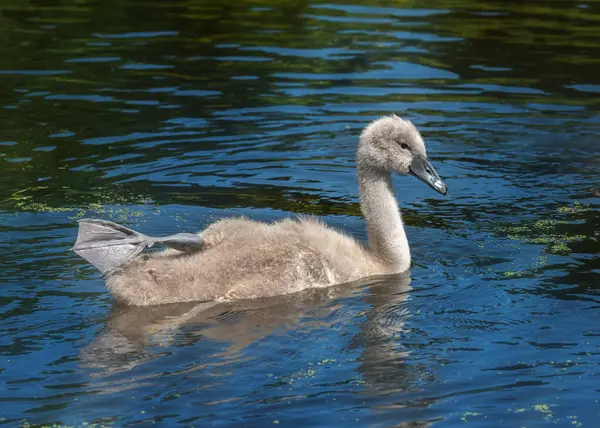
(394, 144)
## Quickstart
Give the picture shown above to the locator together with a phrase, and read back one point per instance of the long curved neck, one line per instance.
(387, 237)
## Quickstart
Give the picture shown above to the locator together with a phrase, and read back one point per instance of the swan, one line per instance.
(239, 258)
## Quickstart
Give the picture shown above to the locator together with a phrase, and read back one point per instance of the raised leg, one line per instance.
(108, 245)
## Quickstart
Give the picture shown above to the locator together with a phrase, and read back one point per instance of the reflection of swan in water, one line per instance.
(132, 333)
(244, 259)
(225, 339)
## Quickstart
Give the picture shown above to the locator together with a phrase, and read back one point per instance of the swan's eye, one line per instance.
(404, 146)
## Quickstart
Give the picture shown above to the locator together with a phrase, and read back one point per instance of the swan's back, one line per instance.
(245, 259)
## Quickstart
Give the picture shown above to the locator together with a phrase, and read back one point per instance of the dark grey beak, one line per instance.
(424, 171)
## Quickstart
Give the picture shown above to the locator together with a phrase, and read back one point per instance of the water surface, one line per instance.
(166, 116)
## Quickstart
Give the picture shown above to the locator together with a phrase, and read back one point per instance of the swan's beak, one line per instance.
(424, 171)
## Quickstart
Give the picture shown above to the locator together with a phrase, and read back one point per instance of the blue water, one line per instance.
(167, 116)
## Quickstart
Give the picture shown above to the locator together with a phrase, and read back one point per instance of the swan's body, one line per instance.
(244, 259)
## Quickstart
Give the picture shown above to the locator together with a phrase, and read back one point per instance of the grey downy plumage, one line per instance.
(239, 258)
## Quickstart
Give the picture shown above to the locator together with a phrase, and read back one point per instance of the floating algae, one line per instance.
(111, 206)
(551, 233)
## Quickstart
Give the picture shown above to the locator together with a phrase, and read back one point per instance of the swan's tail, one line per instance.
(108, 245)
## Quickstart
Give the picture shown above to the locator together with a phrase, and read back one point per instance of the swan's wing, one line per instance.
(108, 245)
